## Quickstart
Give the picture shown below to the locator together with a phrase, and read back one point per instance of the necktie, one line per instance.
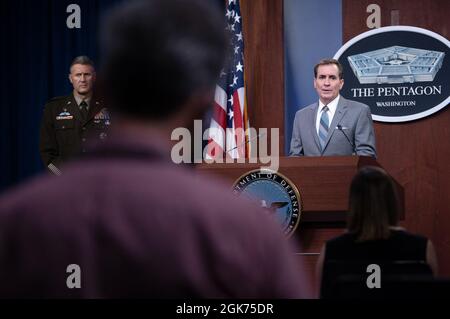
(83, 110)
(323, 126)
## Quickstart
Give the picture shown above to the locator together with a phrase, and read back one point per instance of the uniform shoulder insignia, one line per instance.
(55, 102)
(57, 98)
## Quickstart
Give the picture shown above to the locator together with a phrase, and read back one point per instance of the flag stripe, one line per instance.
(221, 98)
(230, 109)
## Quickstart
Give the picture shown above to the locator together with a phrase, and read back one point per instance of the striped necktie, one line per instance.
(324, 126)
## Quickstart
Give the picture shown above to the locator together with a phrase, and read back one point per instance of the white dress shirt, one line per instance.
(332, 106)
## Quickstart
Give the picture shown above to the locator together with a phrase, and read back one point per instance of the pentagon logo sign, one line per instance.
(275, 193)
(401, 72)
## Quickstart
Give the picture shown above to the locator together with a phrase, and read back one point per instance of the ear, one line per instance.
(70, 78)
(342, 84)
(314, 83)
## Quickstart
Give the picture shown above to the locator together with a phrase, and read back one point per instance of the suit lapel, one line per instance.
(340, 111)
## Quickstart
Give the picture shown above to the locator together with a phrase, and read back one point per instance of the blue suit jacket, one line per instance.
(354, 119)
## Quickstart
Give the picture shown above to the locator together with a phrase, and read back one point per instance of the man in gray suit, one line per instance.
(332, 126)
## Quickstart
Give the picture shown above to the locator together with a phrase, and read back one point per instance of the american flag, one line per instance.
(228, 134)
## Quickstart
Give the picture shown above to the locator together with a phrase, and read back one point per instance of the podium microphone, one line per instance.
(246, 142)
(342, 128)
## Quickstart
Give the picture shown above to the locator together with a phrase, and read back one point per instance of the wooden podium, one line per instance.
(323, 182)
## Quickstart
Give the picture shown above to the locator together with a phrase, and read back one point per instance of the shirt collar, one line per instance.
(332, 106)
(78, 99)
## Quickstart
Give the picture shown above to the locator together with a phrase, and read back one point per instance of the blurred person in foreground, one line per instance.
(373, 235)
(134, 223)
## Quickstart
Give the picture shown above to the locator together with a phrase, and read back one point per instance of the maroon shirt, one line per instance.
(140, 226)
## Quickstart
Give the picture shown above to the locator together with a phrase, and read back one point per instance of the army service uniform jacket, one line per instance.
(64, 134)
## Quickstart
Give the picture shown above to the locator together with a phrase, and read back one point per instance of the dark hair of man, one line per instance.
(373, 204)
(328, 62)
(83, 60)
(159, 53)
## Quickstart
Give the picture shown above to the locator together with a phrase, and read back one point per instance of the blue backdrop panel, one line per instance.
(312, 31)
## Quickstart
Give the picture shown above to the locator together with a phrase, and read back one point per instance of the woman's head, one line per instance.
(373, 204)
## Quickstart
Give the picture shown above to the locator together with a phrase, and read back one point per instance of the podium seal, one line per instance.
(275, 193)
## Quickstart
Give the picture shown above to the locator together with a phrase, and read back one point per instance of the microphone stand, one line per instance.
(248, 141)
(340, 128)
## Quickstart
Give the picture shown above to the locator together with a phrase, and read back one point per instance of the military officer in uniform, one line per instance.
(69, 122)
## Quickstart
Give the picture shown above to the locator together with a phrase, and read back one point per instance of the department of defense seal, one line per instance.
(275, 193)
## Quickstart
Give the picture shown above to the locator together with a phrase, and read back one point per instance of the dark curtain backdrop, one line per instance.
(37, 48)
(36, 51)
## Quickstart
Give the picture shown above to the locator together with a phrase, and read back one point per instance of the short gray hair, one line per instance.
(82, 59)
(328, 62)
